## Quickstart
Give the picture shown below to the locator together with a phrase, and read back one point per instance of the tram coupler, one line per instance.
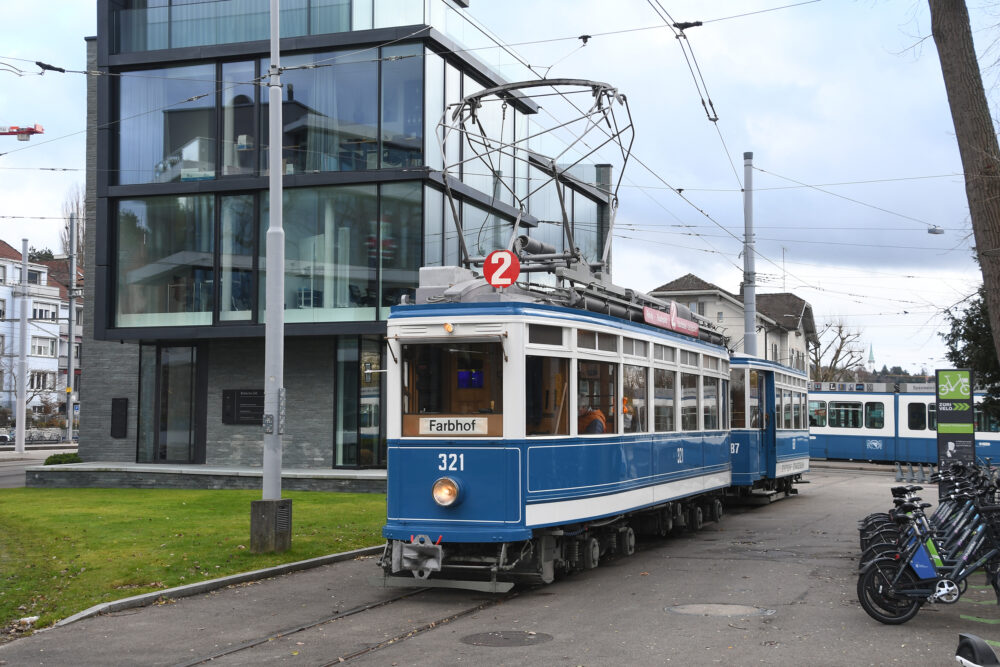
(419, 555)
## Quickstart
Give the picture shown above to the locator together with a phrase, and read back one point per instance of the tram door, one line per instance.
(768, 436)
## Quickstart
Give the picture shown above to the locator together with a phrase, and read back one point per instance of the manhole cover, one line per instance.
(719, 610)
(507, 638)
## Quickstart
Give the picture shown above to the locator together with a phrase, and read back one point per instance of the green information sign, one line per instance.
(955, 417)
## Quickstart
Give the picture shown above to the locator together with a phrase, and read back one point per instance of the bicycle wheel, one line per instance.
(878, 596)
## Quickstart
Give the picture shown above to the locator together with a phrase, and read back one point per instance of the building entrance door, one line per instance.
(171, 406)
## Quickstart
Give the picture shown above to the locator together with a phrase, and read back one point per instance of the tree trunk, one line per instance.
(977, 141)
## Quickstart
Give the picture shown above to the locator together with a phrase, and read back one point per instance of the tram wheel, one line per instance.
(696, 518)
(716, 511)
(591, 553)
(626, 539)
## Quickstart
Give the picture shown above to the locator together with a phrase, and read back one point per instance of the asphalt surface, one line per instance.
(13, 464)
(769, 585)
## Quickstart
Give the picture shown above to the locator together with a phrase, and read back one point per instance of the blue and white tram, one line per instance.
(873, 422)
(769, 432)
(526, 438)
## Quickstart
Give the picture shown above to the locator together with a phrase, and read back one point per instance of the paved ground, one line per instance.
(771, 585)
(13, 464)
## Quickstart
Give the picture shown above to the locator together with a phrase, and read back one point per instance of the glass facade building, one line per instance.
(181, 171)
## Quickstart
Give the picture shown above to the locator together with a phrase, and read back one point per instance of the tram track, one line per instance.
(287, 633)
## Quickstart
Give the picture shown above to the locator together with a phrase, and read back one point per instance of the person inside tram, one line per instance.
(591, 420)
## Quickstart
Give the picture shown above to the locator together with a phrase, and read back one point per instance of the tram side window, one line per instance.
(753, 406)
(786, 408)
(932, 416)
(988, 418)
(460, 384)
(663, 400)
(689, 402)
(874, 415)
(634, 410)
(817, 414)
(597, 396)
(845, 415)
(710, 402)
(738, 397)
(797, 410)
(546, 396)
(916, 416)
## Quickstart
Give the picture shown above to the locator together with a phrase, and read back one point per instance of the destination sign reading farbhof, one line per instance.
(454, 426)
(955, 417)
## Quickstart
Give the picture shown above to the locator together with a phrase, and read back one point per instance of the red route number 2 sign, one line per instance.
(501, 268)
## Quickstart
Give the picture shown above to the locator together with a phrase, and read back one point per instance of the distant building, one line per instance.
(785, 326)
(47, 338)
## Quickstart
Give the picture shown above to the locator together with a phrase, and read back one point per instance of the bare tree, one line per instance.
(839, 356)
(977, 141)
(74, 204)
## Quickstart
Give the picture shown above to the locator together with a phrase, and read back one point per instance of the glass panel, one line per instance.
(710, 402)
(607, 342)
(176, 401)
(176, 142)
(361, 14)
(817, 413)
(391, 13)
(796, 411)
(586, 228)
(433, 220)
(753, 405)
(546, 396)
(165, 261)
(786, 408)
(689, 402)
(372, 450)
(663, 400)
(239, 142)
(236, 258)
(845, 415)
(400, 243)
(453, 390)
(433, 107)
(453, 94)
(451, 249)
(331, 251)
(586, 339)
(346, 435)
(634, 410)
(327, 16)
(874, 415)
(146, 426)
(330, 113)
(932, 416)
(987, 418)
(484, 231)
(403, 104)
(597, 384)
(545, 335)
(738, 397)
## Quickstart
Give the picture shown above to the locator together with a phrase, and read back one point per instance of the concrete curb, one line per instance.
(200, 587)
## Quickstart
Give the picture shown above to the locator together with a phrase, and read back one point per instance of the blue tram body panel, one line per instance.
(488, 475)
(748, 456)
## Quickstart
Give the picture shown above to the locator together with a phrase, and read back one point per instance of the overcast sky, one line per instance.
(841, 95)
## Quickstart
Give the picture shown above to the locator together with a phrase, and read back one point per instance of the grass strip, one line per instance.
(64, 550)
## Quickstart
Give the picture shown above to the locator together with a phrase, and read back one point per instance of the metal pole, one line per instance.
(22, 357)
(274, 334)
(71, 330)
(749, 274)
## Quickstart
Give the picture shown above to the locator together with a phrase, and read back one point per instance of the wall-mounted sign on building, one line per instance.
(955, 417)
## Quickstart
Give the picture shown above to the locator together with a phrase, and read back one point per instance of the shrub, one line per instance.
(56, 459)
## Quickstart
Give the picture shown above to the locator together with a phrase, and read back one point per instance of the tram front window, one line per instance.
(452, 390)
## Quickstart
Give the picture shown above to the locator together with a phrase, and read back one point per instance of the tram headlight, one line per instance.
(446, 492)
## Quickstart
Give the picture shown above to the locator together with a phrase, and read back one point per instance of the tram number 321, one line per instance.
(452, 462)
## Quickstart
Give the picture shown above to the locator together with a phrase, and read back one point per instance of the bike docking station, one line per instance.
(956, 429)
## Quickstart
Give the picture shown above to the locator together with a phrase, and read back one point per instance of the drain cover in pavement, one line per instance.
(506, 638)
(719, 610)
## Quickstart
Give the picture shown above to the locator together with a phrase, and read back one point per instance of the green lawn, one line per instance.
(64, 550)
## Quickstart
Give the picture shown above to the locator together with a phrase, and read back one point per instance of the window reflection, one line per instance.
(402, 106)
(165, 261)
(175, 143)
(399, 240)
(330, 113)
(331, 253)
